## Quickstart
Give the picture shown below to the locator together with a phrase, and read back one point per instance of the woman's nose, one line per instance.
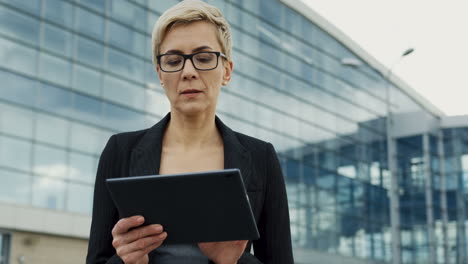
(189, 71)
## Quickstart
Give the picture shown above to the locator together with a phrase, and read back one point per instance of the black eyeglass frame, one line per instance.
(190, 56)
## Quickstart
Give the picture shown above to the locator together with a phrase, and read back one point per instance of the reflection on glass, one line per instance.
(49, 161)
(17, 57)
(126, 65)
(15, 153)
(58, 11)
(16, 121)
(88, 139)
(48, 193)
(89, 52)
(18, 25)
(128, 13)
(87, 80)
(123, 92)
(57, 40)
(82, 168)
(89, 23)
(126, 39)
(54, 69)
(15, 187)
(97, 5)
(54, 99)
(79, 198)
(122, 119)
(87, 109)
(52, 130)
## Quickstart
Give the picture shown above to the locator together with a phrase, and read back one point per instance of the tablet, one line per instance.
(193, 207)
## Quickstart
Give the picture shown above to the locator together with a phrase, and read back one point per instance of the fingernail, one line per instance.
(159, 228)
(140, 219)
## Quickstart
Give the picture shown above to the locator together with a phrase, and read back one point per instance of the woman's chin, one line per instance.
(193, 110)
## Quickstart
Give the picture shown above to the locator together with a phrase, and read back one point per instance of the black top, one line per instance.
(139, 153)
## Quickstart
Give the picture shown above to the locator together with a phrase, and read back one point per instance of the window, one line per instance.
(79, 198)
(48, 193)
(54, 99)
(55, 69)
(18, 25)
(126, 39)
(16, 121)
(4, 248)
(89, 52)
(57, 40)
(17, 57)
(123, 92)
(15, 153)
(128, 13)
(59, 12)
(82, 168)
(50, 162)
(15, 187)
(52, 130)
(87, 80)
(126, 65)
(89, 24)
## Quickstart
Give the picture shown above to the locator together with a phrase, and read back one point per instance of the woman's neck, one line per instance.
(188, 132)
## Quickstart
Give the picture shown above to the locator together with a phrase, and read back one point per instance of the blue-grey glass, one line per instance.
(16, 121)
(99, 5)
(51, 129)
(79, 198)
(50, 161)
(122, 118)
(33, 7)
(82, 167)
(156, 102)
(271, 11)
(48, 193)
(15, 187)
(87, 80)
(89, 52)
(150, 21)
(15, 153)
(59, 12)
(292, 22)
(123, 92)
(20, 26)
(151, 76)
(54, 99)
(87, 109)
(128, 13)
(57, 40)
(126, 38)
(89, 24)
(17, 89)
(55, 69)
(161, 6)
(89, 139)
(18, 57)
(126, 65)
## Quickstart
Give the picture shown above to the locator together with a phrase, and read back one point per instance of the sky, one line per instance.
(436, 29)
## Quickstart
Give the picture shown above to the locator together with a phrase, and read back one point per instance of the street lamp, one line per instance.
(391, 156)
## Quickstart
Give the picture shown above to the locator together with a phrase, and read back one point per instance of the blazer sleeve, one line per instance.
(274, 245)
(105, 214)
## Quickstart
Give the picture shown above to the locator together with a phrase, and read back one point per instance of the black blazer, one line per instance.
(139, 153)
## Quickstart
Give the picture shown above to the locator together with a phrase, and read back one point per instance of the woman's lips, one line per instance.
(191, 93)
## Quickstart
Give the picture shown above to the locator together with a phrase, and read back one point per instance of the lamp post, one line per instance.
(392, 167)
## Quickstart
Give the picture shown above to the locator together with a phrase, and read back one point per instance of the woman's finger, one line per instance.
(138, 233)
(141, 244)
(124, 224)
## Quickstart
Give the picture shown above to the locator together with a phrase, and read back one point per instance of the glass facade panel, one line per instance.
(58, 11)
(75, 72)
(57, 40)
(15, 153)
(15, 187)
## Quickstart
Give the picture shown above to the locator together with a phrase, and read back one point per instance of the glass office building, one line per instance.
(374, 173)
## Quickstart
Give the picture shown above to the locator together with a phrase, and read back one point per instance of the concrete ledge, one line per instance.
(46, 221)
(306, 256)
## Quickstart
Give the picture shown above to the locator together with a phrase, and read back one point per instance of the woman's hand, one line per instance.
(225, 252)
(133, 246)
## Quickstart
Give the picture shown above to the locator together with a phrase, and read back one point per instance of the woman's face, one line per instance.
(191, 91)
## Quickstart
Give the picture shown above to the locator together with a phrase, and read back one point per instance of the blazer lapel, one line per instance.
(145, 158)
(235, 154)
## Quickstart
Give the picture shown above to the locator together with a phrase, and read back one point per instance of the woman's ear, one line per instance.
(228, 68)
(158, 70)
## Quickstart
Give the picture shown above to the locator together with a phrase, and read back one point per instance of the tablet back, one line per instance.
(194, 207)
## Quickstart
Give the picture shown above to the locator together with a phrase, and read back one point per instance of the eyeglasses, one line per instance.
(202, 61)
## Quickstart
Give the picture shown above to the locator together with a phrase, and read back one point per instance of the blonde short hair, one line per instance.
(189, 11)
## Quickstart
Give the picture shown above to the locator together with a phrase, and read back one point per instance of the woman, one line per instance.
(192, 55)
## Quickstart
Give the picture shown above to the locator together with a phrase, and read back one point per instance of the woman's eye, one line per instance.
(173, 62)
(204, 59)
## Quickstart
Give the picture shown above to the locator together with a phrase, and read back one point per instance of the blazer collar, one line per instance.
(145, 158)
